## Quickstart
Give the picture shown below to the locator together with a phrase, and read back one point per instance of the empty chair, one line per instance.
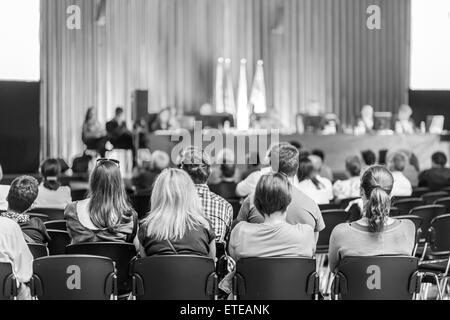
(73, 277)
(52, 213)
(428, 213)
(120, 253)
(405, 205)
(43, 217)
(377, 278)
(331, 218)
(56, 225)
(58, 241)
(174, 277)
(444, 202)
(419, 191)
(276, 279)
(38, 250)
(431, 197)
(8, 288)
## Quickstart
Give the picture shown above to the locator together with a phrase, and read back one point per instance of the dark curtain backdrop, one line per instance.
(313, 50)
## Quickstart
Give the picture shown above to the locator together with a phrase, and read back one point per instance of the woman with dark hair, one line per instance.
(375, 233)
(309, 183)
(274, 237)
(106, 215)
(94, 136)
(51, 193)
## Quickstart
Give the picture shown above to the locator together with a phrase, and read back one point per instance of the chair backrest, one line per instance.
(444, 202)
(8, 288)
(377, 278)
(405, 205)
(419, 191)
(56, 225)
(428, 213)
(79, 194)
(120, 253)
(52, 213)
(174, 277)
(431, 197)
(38, 250)
(59, 241)
(73, 277)
(439, 234)
(329, 206)
(343, 204)
(43, 217)
(394, 212)
(331, 218)
(276, 279)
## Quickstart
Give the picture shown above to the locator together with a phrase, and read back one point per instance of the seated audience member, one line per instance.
(149, 170)
(438, 176)
(226, 187)
(296, 144)
(404, 124)
(22, 194)
(317, 165)
(253, 164)
(324, 170)
(14, 250)
(118, 134)
(350, 188)
(310, 185)
(51, 193)
(176, 223)
(248, 185)
(106, 215)
(93, 134)
(376, 233)
(366, 121)
(219, 212)
(302, 209)
(402, 186)
(4, 189)
(369, 158)
(223, 156)
(274, 236)
(166, 120)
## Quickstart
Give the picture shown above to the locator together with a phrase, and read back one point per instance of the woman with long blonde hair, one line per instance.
(176, 223)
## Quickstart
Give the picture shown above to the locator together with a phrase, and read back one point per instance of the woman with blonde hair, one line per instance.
(106, 215)
(176, 223)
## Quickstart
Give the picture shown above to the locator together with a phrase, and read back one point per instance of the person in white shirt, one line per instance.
(51, 193)
(402, 186)
(310, 183)
(350, 188)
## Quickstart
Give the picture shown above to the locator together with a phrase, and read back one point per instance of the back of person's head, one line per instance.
(196, 163)
(50, 171)
(439, 159)
(284, 159)
(305, 169)
(369, 157)
(296, 144)
(353, 166)
(119, 111)
(175, 206)
(399, 161)
(316, 162)
(160, 160)
(22, 194)
(228, 170)
(108, 205)
(376, 185)
(272, 194)
(303, 154)
(319, 153)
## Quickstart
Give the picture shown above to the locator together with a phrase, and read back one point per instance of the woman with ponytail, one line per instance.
(51, 193)
(375, 233)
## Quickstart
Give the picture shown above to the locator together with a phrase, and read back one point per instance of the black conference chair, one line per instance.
(8, 282)
(431, 197)
(43, 217)
(56, 225)
(344, 203)
(73, 277)
(52, 213)
(276, 279)
(120, 253)
(38, 250)
(444, 202)
(331, 218)
(377, 278)
(79, 194)
(174, 277)
(419, 191)
(329, 206)
(394, 212)
(59, 241)
(428, 213)
(406, 205)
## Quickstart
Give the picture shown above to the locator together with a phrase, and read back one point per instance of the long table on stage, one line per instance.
(336, 147)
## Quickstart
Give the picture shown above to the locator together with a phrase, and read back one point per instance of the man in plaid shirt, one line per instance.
(219, 212)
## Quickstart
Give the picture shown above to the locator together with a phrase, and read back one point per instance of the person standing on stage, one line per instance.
(93, 134)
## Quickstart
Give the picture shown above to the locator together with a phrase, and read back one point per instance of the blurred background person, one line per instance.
(369, 157)
(402, 186)
(226, 187)
(351, 187)
(310, 185)
(366, 121)
(404, 124)
(438, 176)
(324, 171)
(149, 170)
(166, 120)
(94, 136)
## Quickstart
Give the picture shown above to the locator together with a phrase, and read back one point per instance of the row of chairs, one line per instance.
(179, 277)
